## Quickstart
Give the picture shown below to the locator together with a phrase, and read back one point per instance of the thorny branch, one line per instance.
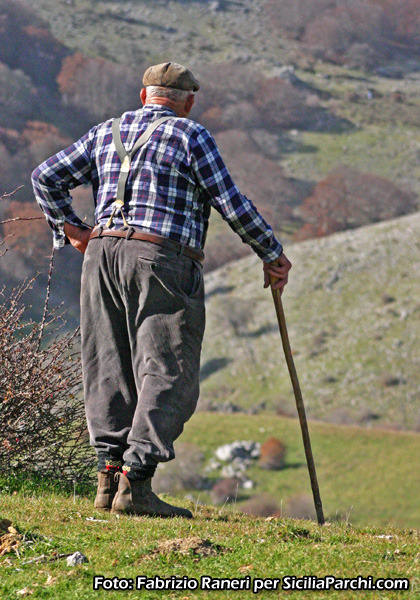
(20, 219)
(47, 298)
(42, 422)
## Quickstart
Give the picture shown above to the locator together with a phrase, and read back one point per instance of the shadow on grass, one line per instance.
(213, 365)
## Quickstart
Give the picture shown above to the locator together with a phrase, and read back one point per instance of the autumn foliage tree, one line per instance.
(224, 84)
(293, 16)
(348, 198)
(98, 87)
(403, 17)
(282, 105)
(364, 31)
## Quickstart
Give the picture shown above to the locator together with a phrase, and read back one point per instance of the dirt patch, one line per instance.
(189, 545)
(10, 538)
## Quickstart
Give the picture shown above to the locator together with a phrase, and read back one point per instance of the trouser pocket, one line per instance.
(189, 279)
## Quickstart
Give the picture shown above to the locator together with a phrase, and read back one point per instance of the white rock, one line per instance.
(248, 484)
(76, 559)
(238, 449)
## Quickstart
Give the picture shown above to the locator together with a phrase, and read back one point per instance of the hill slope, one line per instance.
(353, 311)
(50, 526)
(365, 477)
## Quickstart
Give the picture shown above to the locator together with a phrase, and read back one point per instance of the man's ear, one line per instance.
(143, 95)
(189, 103)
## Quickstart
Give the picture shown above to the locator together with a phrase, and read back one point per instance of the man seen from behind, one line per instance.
(142, 293)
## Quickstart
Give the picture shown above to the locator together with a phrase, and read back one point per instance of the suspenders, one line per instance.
(125, 158)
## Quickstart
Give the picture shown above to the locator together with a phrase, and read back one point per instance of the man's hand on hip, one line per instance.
(279, 269)
(79, 238)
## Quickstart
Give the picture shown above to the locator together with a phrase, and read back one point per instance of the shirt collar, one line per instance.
(158, 108)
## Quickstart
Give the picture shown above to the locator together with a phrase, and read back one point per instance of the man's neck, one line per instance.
(165, 102)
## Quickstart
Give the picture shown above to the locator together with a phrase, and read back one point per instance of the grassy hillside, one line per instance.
(49, 526)
(353, 314)
(365, 477)
(148, 31)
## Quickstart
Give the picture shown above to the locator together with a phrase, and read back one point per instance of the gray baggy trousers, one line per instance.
(142, 323)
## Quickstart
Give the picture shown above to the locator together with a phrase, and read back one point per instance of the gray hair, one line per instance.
(155, 91)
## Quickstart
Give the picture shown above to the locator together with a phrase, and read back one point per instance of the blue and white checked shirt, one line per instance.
(175, 179)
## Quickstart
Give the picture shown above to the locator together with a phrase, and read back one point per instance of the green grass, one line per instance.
(386, 150)
(244, 546)
(365, 477)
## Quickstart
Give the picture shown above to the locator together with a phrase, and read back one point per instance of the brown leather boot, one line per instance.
(136, 498)
(107, 488)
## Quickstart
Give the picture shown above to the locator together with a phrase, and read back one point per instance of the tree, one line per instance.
(293, 16)
(27, 43)
(337, 30)
(403, 17)
(18, 98)
(222, 85)
(348, 198)
(333, 34)
(282, 105)
(261, 179)
(98, 87)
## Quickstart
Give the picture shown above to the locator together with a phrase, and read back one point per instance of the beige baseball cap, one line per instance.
(171, 75)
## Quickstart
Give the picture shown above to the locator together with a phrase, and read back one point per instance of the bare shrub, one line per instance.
(41, 411)
(300, 506)
(225, 490)
(181, 473)
(42, 425)
(273, 454)
(31, 240)
(362, 55)
(241, 115)
(261, 506)
(334, 33)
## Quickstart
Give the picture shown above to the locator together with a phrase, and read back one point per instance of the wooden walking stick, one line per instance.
(299, 401)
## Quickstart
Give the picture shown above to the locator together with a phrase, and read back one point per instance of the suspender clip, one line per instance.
(126, 166)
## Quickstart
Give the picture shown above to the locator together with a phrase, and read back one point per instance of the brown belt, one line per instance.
(133, 234)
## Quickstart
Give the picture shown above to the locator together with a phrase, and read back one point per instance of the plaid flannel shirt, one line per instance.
(175, 179)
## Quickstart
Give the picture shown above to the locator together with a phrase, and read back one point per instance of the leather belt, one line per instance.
(132, 234)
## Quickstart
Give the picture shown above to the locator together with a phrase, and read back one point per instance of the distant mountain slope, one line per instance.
(353, 311)
(344, 116)
(137, 31)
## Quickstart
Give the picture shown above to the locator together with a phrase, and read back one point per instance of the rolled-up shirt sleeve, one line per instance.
(240, 213)
(53, 180)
